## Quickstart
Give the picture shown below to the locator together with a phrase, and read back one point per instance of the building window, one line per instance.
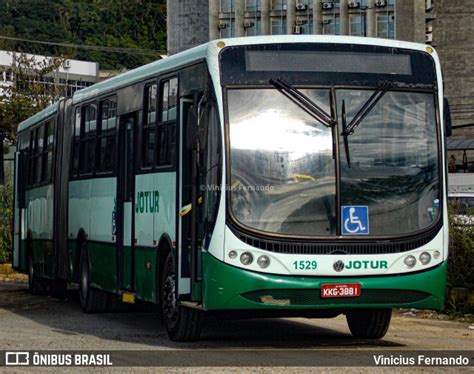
(279, 26)
(385, 26)
(279, 5)
(355, 25)
(227, 6)
(252, 27)
(252, 5)
(331, 25)
(106, 136)
(148, 134)
(166, 128)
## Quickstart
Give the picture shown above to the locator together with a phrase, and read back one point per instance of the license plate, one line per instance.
(340, 290)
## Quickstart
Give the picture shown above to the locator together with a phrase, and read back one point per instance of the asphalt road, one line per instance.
(43, 323)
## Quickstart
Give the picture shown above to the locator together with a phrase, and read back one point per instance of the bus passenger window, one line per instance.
(76, 144)
(39, 153)
(48, 154)
(106, 135)
(167, 124)
(87, 148)
(31, 159)
(148, 134)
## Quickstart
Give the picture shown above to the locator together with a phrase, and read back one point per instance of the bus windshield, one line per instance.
(283, 162)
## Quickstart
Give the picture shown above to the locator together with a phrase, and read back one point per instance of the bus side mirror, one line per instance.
(2, 171)
(448, 127)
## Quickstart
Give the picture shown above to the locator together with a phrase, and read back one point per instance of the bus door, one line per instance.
(188, 253)
(124, 225)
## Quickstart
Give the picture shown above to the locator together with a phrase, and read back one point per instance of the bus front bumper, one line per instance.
(229, 288)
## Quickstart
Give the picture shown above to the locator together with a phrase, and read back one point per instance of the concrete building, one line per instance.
(71, 76)
(192, 22)
(453, 38)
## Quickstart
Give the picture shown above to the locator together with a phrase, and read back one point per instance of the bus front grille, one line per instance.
(337, 246)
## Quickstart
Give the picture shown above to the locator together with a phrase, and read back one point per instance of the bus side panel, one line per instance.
(91, 207)
(39, 208)
(101, 243)
(155, 218)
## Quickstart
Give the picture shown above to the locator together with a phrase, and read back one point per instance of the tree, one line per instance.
(32, 89)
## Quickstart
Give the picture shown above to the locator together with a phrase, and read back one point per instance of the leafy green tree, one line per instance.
(138, 24)
(32, 90)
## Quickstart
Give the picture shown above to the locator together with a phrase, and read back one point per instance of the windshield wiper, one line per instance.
(304, 102)
(348, 129)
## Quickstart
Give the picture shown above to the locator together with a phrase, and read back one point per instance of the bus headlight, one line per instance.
(410, 261)
(246, 258)
(232, 254)
(436, 254)
(425, 258)
(263, 261)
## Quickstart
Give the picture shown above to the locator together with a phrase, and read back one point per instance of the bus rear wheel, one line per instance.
(182, 324)
(92, 300)
(369, 323)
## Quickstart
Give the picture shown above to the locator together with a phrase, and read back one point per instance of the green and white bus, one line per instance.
(259, 176)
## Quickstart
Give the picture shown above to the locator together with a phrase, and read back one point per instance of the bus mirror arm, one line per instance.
(448, 127)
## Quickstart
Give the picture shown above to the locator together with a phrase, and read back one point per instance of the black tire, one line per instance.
(36, 285)
(369, 323)
(92, 300)
(182, 324)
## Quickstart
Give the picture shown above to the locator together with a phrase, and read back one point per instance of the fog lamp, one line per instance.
(263, 261)
(425, 258)
(246, 258)
(410, 261)
(232, 254)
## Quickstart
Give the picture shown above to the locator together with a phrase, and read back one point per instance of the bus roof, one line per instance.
(38, 117)
(201, 52)
(140, 73)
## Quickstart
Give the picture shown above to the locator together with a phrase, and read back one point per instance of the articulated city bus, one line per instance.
(265, 176)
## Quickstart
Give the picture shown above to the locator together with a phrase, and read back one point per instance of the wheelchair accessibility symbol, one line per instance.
(355, 220)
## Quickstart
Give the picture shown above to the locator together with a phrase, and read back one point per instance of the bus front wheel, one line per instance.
(182, 324)
(92, 300)
(369, 323)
